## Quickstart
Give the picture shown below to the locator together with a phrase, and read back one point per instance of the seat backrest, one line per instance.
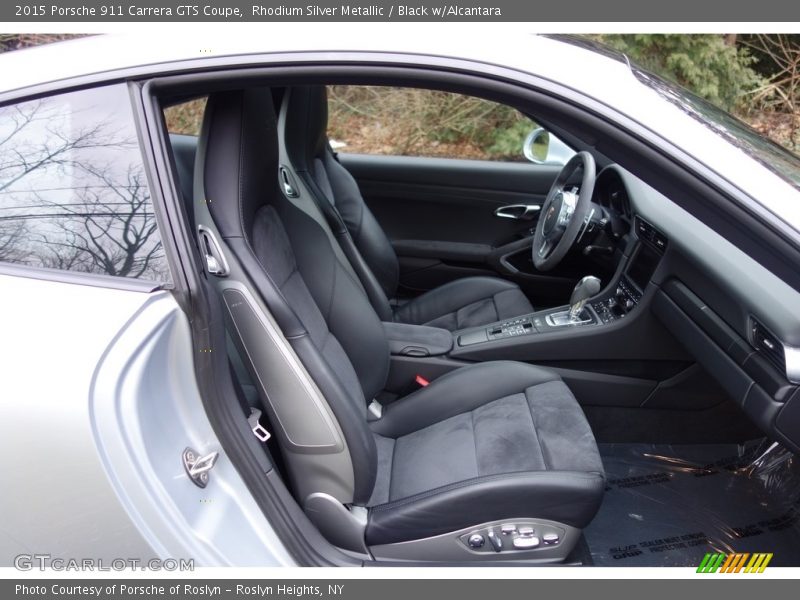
(288, 261)
(309, 152)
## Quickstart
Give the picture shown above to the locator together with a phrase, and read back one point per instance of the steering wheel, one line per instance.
(563, 213)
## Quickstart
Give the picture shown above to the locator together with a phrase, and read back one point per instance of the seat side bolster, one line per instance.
(284, 314)
(568, 497)
(457, 392)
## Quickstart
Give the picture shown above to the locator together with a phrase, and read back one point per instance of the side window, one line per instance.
(417, 122)
(73, 192)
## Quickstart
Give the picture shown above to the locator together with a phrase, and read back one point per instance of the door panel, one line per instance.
(448, 199)
(440, 216)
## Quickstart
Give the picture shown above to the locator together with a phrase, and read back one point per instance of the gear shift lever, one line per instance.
(584, 289)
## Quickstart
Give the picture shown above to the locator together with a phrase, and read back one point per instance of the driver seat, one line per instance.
(467, 302)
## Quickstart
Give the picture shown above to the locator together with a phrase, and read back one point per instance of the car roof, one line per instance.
(600, 76)
(109, 52)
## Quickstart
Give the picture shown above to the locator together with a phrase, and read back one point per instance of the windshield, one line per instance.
(775, 157)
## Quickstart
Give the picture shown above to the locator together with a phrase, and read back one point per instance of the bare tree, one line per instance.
(53, 147)
(778, 99)
(782, 89)
(86, 211)
(112, 229)
(11, 233)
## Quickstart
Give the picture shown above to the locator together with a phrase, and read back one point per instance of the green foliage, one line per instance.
(186, 118)
(712, 66)
(507, 141)
(417, 122)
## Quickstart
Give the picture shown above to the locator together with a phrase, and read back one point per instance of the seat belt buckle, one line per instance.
(257, 428)
(375, 409)
(421, 381)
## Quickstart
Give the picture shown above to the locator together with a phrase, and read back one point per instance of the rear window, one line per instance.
(73, 191)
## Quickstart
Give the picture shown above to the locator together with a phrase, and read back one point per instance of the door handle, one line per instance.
(524, 212)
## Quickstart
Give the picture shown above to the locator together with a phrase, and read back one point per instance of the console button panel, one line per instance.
(511, 328)
(618, 305)
(638, 273)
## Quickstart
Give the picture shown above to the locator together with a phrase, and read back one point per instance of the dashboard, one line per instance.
(609, 224)
(677, 293)
(730, 313)
(677, 290)
(611, 194)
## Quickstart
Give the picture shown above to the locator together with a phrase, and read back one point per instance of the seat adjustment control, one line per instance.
(526, 531)
(495, 540)
(512, 537)
(550, 539)
(526, 542)
(508, 528)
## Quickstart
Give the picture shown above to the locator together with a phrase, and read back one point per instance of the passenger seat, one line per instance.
(491, 461)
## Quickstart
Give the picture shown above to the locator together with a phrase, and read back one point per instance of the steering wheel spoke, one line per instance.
(546, 248)
(563, 213)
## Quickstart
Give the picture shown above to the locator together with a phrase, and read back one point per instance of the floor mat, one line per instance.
(670, 505)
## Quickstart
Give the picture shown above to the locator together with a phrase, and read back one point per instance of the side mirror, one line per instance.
(543, 148)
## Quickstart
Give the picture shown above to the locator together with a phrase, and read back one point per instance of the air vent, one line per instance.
(766, 343)
(651, 235)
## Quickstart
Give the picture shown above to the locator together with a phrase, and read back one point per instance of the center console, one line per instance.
(637, 275)
(615, 304)
(540, 322)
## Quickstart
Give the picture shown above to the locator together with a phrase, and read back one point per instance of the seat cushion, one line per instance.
(493, 441)
(468, 302)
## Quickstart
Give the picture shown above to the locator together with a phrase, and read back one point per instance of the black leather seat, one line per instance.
(466, 302)
(483, 443)
(497, 440)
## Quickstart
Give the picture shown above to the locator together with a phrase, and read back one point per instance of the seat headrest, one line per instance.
(306, 129)
(237, 163)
